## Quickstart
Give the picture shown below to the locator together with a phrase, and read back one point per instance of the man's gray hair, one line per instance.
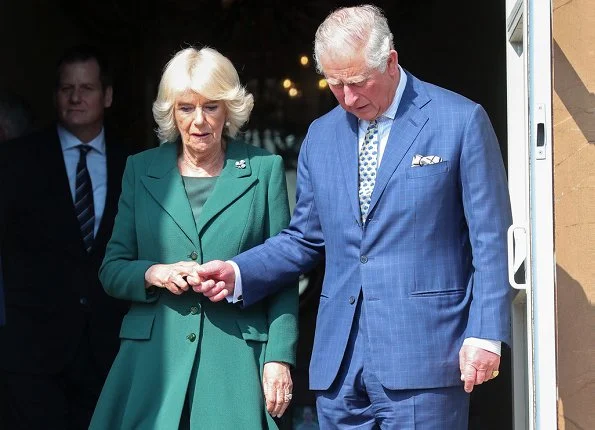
(352, 31)
(15, 116)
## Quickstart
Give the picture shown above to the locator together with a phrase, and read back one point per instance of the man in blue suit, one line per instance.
(403, 190)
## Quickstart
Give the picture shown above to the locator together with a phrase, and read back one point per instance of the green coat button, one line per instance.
(194, 255)
(191, 337)
(194, 310)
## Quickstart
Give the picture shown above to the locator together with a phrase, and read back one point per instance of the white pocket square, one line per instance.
(423, 160)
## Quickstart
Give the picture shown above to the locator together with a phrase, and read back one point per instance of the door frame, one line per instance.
(531, 237)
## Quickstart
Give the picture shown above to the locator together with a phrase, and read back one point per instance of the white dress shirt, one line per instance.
(96, 165)
(385, 120)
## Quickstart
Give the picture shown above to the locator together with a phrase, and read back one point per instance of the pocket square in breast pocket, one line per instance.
(423, 160)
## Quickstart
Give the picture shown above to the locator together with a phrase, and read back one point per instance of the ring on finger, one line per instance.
(287, 397)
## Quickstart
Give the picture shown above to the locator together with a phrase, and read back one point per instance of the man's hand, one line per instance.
(477, 366)
(215, 279)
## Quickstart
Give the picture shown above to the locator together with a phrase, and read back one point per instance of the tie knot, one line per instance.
(84, 149)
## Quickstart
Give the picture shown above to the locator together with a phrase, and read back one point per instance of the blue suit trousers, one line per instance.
(357, 399)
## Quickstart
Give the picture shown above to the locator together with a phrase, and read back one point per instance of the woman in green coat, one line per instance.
(184, 361)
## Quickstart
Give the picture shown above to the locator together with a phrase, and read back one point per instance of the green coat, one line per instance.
(163, 335)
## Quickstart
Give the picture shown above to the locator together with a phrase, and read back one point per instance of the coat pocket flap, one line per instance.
(249, 332)
(137, 327)
(427, 170)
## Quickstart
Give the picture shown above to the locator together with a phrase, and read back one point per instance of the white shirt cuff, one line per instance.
(494, 346)
(237, 291)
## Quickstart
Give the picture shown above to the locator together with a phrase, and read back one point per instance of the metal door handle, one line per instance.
(512, 267)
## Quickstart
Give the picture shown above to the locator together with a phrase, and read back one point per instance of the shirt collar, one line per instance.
(391, 112)
(70, 141)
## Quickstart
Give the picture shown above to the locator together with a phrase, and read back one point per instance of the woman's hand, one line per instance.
(277, 387)
(171, 276)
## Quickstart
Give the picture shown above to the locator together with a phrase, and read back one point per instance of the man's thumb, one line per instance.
(210, 267)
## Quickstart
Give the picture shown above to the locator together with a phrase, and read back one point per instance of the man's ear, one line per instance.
(393, 62)
(108, 96)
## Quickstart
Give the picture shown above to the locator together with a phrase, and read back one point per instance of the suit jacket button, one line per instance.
(83, 301)
(351, 300)
(363, 259)
(194, 255)
(191, 337)
(194, 310)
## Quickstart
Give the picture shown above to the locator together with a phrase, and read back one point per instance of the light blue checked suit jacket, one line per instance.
(431, 262)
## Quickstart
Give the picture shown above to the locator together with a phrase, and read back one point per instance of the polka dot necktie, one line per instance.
(368, 162)
(83, 199)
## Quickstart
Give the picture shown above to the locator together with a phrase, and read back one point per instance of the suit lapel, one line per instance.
(232, 183)
(164, 183)
(348, 152)
(407, 124)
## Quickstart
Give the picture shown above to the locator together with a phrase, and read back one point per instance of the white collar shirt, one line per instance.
(385, 121)
(96, 165)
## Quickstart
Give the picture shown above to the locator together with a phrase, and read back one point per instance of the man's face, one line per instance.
(364, 92)
(80, 97)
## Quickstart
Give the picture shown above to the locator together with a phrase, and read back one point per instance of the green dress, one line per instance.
(185, 362)
(198, 191)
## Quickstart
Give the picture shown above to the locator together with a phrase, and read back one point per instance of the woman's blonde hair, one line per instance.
(208, 73)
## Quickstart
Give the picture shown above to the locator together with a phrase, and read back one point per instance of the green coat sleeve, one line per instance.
(122, 274)
(283, 306)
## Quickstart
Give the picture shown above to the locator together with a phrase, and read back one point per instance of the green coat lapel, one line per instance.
(164, 183)
(233, 182)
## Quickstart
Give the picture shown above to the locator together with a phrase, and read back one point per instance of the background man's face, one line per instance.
(80, 97)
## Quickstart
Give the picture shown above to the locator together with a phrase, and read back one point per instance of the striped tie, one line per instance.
(368, 162)
(83, 199)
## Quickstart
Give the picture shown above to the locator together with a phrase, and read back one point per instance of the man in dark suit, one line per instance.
(403, 189)
(59, 190)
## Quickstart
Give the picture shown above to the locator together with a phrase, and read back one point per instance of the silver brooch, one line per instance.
(240, 164)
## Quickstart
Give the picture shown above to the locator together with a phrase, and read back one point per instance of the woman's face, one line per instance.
(200, 121)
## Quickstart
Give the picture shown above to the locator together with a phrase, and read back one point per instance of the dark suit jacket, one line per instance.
(1, 298)
(51, 286)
